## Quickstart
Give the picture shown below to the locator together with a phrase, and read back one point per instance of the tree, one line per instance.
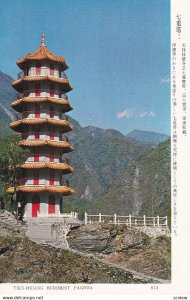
(11, 156)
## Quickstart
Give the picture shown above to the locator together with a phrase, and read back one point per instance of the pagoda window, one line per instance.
(37, 110)
(51, 177)
(38, 69)
(60, 136)
(26, 72)
(36, 155)
(35, 176)
(36, 133)
(25, 113)
(51, 155)
(51, 135)
(51, 91)
(60, 179)
(52, 70)
(51, 113)
(37, 89)
(59, 73)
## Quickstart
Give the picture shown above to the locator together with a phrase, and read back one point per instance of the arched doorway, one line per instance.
(35, 205)
(51, 204)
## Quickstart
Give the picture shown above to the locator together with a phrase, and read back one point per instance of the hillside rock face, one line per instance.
(33, 263)
(7, 95)
(143, 189)
(100, 156)
(127, 247)
(104, 239)
(103, 133)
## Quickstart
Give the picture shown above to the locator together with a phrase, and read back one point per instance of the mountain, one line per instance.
(102, 133)
(7, 95)
(113, 172)
(144, 188)
(100, 156)
(149, 137)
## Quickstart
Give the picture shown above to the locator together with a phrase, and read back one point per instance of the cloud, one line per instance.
(143, 114)
(131, 112)
(165, 80)
(127, 113)
(152, 114)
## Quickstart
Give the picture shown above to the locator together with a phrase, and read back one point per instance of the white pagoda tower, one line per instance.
(42, 103)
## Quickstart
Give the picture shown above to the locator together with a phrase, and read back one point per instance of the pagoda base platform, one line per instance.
(43, 205)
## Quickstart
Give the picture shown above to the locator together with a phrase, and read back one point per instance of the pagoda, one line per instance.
(41, 105)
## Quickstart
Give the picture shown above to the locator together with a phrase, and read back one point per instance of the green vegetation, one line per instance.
(7, 95)
(113, 173)
(147, 136)
(144, 188)
(100, 157)
(32, 263)
(127, 246)
(11, 155)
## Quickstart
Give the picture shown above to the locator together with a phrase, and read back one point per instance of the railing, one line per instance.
(42, 93)
(44, 136)
(41, 158)
(126, 220)
(46, 157)
(42, 182)
(72, 215)
(42, 72)
(42, 114)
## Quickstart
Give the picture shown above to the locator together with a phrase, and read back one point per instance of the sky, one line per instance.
(118, 52)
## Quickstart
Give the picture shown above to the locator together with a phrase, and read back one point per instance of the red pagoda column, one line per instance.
(42, 103)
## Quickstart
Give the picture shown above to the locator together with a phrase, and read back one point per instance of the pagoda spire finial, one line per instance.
(43, 40)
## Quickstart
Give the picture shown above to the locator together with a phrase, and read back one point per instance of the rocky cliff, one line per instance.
(127, 247)
(144, 188)
(23, 261)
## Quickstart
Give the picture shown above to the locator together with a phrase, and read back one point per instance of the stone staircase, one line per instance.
(40, 233)
(44, 231)
(50, 231)
(46, 234)
(9, 219)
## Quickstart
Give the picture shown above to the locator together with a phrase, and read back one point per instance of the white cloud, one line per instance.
(152, 114)
(165, 80)
(143, 114)
(129, 113)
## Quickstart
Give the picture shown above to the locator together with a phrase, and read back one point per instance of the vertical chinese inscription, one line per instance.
(174, 136)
